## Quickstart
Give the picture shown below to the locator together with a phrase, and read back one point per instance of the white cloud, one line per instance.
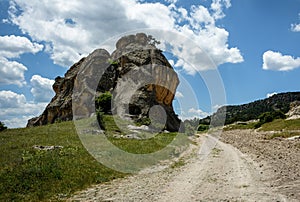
(217, 6)
(15, 110)
(11, 72)
(178, 95)
(193, 113)
(171, 1)
(41, 88)
(197, 113)
(92, 23)
(9, 99)
(295, 27)
(271, 94)
(200, 14)
(13, 46)
(216, 107)
(16, 122)
(73, 29)
(278, 62)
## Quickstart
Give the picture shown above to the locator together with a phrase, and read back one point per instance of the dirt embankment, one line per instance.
(278, 158)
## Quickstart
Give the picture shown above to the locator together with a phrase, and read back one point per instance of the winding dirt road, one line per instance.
(214, 171)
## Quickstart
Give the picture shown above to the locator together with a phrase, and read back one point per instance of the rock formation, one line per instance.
(136, 73)
(294, 112)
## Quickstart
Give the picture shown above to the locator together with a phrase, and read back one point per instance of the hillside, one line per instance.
(50, 163)
(250, 111)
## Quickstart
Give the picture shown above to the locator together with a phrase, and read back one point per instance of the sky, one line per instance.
(224, 51)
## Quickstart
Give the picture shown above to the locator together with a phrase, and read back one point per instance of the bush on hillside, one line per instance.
(2, 126)
(269, 117)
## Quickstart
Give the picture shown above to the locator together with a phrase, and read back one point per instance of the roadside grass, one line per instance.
(28, 174)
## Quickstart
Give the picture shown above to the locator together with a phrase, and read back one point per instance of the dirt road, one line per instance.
(214, 172)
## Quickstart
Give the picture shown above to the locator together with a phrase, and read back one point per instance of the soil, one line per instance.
(243, 165)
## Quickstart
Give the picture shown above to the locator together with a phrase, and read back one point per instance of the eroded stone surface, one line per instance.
(136, 73)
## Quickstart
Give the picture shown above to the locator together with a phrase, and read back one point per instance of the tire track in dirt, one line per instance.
(218, 172)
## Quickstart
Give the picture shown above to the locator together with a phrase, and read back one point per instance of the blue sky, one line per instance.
(252, 45)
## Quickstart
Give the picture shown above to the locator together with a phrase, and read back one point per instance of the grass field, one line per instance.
(283, 128)
(240, 126)
(28, 174)
(281, 124)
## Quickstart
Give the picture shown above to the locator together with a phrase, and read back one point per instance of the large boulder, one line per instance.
(137, 74)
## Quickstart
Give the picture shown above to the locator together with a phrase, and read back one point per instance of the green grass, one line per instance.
(117, 151)
(240, 126)
(27, 174)
(281, 124)
(145, 146)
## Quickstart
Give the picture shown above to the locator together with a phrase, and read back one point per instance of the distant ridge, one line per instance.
(252, 110)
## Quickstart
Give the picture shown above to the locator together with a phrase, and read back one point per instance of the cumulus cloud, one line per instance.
(16, 110)
(41, 88)
(72, 29)
(218, 6)
(13, 46)
(192, 113)
(12, 72)
(278, 62)
(198, 112)
(9, 99)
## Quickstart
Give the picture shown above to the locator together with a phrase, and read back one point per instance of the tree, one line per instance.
(2, 126)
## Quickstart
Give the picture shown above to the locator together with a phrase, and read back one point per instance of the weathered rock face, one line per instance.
(294, 112)
(137, 74)
(60, 107)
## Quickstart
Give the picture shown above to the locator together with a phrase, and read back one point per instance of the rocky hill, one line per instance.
(136, 73)
(250, 111)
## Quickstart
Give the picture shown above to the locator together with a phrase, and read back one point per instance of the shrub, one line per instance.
(103, 102)
(2, 126)
(203, 127)
(143, 121)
